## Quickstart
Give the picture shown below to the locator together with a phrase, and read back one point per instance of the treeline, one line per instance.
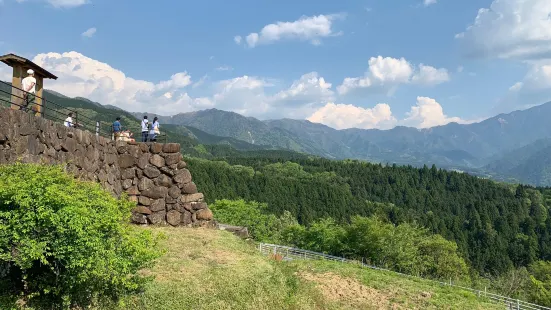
(496, 227)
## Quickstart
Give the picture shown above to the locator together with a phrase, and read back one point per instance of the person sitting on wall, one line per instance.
(117, 127)
(126, 136)
(69, 121)
(28, 85)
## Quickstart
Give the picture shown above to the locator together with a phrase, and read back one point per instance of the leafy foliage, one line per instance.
(66, 243)
(262, 226)
(404, 247)
(540, 278)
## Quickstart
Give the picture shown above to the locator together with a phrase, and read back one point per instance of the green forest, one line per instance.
(497, 227)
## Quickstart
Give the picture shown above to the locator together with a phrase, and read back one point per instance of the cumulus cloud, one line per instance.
(511, 29)
(89, 33)
(386, 73)
(429, 2)
(252, 96)
(310, 96)
(426, 113)
(81, 76)
(428, 75)
(343, 116)
(306, 28)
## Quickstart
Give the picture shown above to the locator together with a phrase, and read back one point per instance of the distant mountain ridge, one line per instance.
(450, 146)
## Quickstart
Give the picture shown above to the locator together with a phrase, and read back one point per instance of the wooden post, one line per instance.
(16, 83)
(38, 102)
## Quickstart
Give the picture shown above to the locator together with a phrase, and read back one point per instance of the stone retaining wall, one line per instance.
(154, 175)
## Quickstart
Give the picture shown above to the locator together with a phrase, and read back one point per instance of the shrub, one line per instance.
(67, 243)
(262, 226)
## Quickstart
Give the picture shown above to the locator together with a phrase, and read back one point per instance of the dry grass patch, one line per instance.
(347, 292)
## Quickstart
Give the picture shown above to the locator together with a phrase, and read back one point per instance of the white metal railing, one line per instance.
(290, 253)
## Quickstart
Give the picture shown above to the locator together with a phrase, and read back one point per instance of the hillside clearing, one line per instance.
(206, 269)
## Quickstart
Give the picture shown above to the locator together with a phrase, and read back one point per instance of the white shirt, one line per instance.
(27, 83)
(68, 122)
(155, 127)
(144, 125)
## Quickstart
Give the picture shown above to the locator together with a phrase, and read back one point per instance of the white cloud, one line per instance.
(533, 89)
(428, 75)
(306, 28)
(80, 76)
(200, 82)
(251, 96)
(426, 113)
(224, 68)
(429, 2)
(516, 87)
(89, 33)
(67, 3)
(515, 29)
(460, 69)
(62, 3)
(387, 73)
(343, 116)
(309, 89)
(309, 96)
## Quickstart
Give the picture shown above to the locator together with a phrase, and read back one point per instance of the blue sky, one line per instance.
(366, 64)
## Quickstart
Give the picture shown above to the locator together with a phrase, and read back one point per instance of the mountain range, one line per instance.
(512, 147)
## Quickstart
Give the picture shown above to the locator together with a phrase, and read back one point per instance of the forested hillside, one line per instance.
(497, 227)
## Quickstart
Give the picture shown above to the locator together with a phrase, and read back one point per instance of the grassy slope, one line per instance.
(206, 269)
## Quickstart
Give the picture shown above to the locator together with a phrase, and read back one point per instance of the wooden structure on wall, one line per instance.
(20, 66)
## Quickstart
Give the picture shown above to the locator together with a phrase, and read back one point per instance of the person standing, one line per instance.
(145, 128)
(154, 130)
(117, 127)
(29, 88)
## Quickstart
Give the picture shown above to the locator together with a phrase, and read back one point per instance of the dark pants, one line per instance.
(144, 136)
(27, 99)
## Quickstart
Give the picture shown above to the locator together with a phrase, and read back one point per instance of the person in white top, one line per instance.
(145, 129)
(154, 132)
(69, 120)
(29, 89)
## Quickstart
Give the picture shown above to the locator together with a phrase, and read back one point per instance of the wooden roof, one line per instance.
(12, 60)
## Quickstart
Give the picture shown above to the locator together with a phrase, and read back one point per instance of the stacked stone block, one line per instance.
(154, 175)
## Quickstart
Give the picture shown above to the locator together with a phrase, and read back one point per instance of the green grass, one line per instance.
(206, 269)
(209, 269)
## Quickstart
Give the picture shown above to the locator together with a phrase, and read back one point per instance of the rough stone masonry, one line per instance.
(154, 175)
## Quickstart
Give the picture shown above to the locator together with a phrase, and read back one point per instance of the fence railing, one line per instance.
(53, 111)
(290, 253)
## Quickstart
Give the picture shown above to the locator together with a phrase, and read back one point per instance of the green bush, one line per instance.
(67, 243)
(540, 280)
(262, 226)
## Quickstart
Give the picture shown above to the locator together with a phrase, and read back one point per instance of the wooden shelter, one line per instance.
(20, 66)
